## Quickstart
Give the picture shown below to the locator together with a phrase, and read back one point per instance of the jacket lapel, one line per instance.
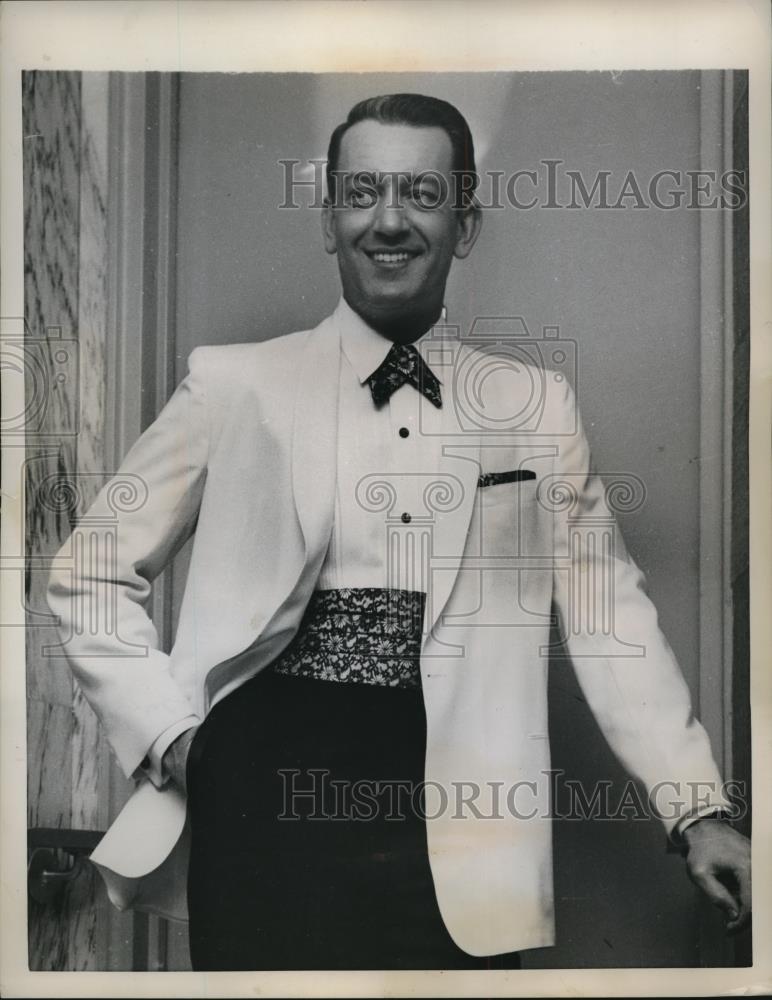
(315, 437)
(313, 473)
(457, 459)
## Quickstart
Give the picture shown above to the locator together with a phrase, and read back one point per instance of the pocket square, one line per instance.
(495, 478)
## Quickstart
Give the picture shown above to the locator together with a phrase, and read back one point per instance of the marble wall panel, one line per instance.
(65, 228)
(51, 157)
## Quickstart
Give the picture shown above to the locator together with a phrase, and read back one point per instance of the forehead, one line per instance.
(371, 145)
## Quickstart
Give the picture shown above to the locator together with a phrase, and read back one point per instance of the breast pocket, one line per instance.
(505, 515)
(516, 494)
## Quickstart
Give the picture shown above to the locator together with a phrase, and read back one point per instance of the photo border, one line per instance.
(418, 35)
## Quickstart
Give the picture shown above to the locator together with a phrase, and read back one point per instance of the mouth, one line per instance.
(391, 258)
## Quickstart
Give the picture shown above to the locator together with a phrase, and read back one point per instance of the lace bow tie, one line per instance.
(404, 364)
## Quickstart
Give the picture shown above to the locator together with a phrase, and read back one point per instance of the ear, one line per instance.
(469, 226)
(328, 227)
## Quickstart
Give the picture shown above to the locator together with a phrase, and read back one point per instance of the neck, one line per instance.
(403, 328)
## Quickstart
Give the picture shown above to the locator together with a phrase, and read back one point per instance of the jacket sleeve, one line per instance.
(624, 664)
(100, 582)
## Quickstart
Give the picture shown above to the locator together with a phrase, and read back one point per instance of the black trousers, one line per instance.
(308, 839)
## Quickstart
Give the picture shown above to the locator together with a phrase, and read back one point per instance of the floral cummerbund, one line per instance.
(364, 636)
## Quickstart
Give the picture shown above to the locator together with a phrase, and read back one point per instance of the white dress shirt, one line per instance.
(379, 451)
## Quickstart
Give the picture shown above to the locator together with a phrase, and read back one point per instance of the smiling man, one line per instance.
(396, 222)
(341, 761)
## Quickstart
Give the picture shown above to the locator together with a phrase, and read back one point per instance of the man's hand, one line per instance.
(175, 759)
(719, 862)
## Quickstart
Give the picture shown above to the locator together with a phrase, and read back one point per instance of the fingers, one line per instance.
(742, 920)
(180, 767)
(718, 894)
(743, 875)
(719, 862)
(737, 909)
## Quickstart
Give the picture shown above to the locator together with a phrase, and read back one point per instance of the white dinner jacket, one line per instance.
(244, 455)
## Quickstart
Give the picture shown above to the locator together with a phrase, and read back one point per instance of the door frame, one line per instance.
(723, 625)
(142, 214)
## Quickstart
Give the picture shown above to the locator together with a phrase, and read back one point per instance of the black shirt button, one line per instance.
(404, 432)
(406, 518)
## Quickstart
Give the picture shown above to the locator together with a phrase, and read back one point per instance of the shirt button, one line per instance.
(406, 518)
(404, 432)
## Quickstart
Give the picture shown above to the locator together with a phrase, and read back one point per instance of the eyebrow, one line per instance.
(375, 178)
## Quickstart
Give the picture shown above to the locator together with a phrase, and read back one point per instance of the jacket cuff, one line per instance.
(703, 812)
(152, 763)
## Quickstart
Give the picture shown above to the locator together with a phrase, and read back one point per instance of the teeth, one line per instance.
(390, 258)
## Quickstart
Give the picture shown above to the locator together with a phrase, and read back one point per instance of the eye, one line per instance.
(427, 194)
(360, 198)
(361, 190)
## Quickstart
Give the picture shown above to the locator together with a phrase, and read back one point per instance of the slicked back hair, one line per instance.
(423, 112)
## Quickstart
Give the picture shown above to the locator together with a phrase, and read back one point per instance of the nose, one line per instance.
(390, 218)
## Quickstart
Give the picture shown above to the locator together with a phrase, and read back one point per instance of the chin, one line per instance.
(396, 296)
(391, 302)
(394, 305)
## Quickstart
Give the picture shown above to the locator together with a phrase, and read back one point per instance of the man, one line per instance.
(379, 536)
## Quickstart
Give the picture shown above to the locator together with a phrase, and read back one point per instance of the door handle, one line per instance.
(49, 872)
(55, 859)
